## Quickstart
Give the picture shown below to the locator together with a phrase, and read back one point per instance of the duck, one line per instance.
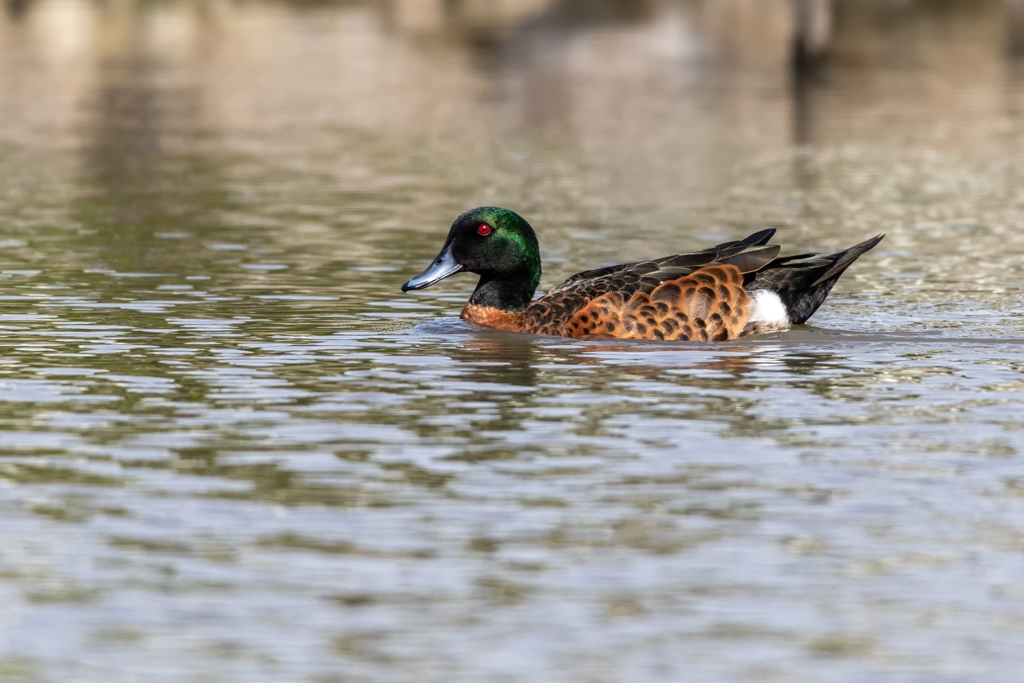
(725, 292)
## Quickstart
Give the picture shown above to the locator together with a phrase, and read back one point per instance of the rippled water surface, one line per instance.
(232, 450)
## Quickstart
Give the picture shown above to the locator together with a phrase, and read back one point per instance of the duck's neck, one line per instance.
(506, 293)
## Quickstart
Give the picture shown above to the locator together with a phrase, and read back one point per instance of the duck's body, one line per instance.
(725, 292)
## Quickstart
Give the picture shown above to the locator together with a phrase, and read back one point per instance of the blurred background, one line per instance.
(672, 119)
(232, 450)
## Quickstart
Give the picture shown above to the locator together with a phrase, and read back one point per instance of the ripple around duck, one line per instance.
(218, 410)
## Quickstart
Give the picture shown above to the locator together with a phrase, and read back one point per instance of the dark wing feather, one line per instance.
(692, 260)
(752, 261)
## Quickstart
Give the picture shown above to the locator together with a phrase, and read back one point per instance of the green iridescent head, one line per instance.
(499, 246)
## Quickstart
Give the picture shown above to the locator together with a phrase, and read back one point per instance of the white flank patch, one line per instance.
(767, 308)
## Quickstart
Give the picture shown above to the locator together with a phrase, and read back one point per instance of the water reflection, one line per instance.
(135, 181)
(219, 412)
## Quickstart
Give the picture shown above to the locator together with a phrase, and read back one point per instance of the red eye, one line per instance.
(483, 229)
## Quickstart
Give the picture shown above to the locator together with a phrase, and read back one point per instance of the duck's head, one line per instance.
(499, 246)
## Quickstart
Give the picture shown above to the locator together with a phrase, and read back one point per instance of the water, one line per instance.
(231, 449)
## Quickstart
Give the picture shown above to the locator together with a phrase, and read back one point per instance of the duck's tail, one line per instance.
(803, 282)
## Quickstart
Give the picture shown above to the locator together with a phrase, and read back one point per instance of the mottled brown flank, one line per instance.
(709, 305)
